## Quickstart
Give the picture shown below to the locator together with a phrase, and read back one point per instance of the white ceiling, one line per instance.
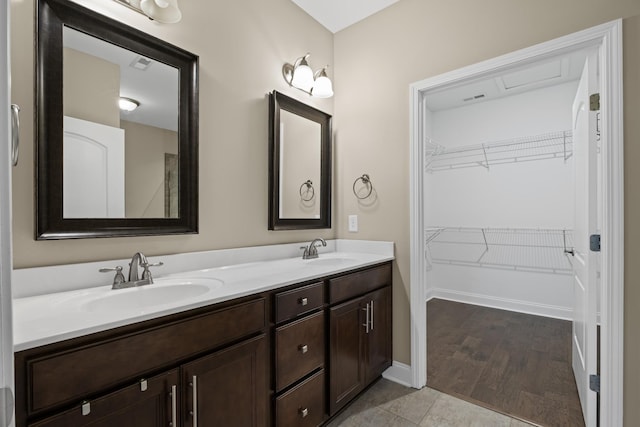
(536, 75)
(336, 15)
(158, 108)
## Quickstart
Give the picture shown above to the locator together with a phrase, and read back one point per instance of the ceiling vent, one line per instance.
(474, 98)
(141, 63)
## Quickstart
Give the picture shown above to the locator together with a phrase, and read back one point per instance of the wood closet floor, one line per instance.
(514, 363)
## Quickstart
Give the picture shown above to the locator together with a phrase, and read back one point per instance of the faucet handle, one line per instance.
(119, 277)
(146, 273)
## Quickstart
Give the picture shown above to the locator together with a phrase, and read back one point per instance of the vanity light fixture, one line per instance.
(163, 11)
(128, 104)
(300, 76)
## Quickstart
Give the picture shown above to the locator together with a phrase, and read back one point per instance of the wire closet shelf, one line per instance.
(538, 147)
(519, 249)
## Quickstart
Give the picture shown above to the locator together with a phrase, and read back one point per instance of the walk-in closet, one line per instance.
(499, 215)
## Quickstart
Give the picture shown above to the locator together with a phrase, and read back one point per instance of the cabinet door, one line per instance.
(346, 352)
(378, 340)
(153, 403)
(228, 388)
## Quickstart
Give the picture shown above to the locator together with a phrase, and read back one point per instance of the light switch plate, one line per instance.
(353, 223)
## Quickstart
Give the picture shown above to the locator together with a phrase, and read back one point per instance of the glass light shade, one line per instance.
(128, 104)
(322, 88)
(163, 11)
(302, 77)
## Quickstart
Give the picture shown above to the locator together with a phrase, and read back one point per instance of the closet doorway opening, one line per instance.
(490, 226)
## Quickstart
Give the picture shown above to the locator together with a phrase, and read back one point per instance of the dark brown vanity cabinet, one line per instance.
(291, 357)
(201, 368)
(228, 388)
(299, 356)
(147, 403)
(359, 333)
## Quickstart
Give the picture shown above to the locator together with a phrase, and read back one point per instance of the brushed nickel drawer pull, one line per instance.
(143, 385)
(86, 408)
(303, 412)
(304, 301)
(194, 404)
(174, 406)
(303, 348)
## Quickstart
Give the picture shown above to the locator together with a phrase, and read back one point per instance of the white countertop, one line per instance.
(45, 319)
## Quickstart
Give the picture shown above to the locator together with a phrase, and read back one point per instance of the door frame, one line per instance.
(608, 38)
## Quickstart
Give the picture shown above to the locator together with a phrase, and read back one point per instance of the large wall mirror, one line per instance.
(299, 165)
(117, 129)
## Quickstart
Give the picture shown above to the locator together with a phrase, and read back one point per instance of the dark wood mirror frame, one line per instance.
(277, 102)
(52, 15)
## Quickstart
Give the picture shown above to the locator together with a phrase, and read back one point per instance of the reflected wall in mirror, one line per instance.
(114, 159)
(104, 171)
(300, 165)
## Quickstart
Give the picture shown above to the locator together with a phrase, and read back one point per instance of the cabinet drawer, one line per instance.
(128, 407)
(291, 304)
(299, 349)
(352, 285)
(303, 405)
(68, 375)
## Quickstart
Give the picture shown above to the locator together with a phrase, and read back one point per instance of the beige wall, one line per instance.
(144, 149)
(421, 39)
(91, 88)
(242, 46)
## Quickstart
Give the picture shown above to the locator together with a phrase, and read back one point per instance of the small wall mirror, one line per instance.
(299, 165)
(117, 151)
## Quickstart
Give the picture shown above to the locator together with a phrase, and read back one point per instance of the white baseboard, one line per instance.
(557, 312)
(429, 293)
(398, 373)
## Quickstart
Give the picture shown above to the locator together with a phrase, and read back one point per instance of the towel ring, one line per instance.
(367, 182)
(309, 189)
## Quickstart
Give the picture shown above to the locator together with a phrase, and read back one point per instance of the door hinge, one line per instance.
(594, 242)
(594, 102)
(594, 383)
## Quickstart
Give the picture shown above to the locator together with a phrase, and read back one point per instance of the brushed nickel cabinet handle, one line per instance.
(15, 134)
(303, 348)
(304, 301)
(303, 412)
(194, 404)
(174, 406)
(372, 315)
(366, 320)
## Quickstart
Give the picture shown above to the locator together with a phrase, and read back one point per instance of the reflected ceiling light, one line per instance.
(128, 104)
(301, 76)
(163, 11)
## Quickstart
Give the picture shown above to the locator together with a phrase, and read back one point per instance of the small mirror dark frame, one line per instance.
(52, 15)
(277, 102)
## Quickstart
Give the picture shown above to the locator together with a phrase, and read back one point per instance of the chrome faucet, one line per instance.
(138, 260)
(311, 251)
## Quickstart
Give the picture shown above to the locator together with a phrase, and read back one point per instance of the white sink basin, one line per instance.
(331, 262)
(163, 291)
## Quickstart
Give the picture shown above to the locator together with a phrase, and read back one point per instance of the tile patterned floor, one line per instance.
(387, 404)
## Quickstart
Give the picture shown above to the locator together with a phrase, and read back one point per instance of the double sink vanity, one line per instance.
(280, 342)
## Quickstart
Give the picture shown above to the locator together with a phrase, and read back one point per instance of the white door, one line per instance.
(93, 170)
(584, 260)
(6, 337)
